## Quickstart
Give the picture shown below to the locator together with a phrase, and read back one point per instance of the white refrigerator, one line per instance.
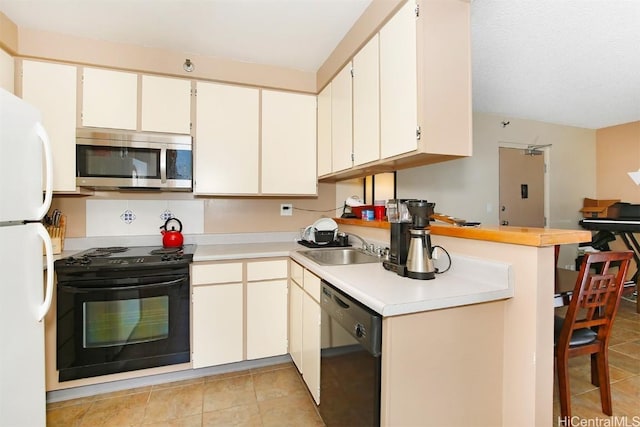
(25, 293)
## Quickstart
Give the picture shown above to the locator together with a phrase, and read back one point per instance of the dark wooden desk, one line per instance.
(625, 228)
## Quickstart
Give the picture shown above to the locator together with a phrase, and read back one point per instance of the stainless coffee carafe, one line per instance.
(419, 262)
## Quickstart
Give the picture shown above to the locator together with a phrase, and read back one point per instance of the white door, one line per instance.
(109, 99)
(22, 374)
(266, 319)
(166, 105)
(324, 131)
(342, 120)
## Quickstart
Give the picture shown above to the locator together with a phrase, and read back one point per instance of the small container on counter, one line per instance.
(367, 215)
(379, 210)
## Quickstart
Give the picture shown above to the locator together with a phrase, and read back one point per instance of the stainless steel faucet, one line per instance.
(367, 247)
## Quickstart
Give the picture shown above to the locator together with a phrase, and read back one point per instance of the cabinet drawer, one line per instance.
(202, 274)
(296, 273)
(312, 285)
(266, 270)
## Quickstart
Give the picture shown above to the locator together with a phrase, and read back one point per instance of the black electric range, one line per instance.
(121, 257)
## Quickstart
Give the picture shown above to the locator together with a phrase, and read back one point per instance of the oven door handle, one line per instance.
(81, 290)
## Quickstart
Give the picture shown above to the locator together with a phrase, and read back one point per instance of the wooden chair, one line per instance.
(586, 328)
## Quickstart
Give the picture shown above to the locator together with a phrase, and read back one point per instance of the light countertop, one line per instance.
(469, 281)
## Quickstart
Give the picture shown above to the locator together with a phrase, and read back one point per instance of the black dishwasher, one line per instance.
(350, 361)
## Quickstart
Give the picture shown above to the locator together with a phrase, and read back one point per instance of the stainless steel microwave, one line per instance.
(111, 159)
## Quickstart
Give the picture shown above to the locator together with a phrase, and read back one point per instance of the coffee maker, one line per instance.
(410, 248)
(419, 264)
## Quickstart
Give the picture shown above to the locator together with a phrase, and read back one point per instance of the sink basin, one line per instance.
(340, 256)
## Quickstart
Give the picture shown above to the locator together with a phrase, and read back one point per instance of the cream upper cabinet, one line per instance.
(341, 120)
(366, 104)
(109, 99)
(424, 95)
(398, 83)
(166, 105)
(324, 131)
(226, 151)
(52, 88)
(288, 143)
(7, 71)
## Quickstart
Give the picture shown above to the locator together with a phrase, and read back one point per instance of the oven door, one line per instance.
(117, 325)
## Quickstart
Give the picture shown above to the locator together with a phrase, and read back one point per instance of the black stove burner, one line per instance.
(166, 251)
(102, 252)
(120, 257)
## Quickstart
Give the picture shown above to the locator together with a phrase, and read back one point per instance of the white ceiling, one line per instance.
(572, 62)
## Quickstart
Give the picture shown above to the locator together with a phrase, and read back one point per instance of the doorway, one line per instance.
(522, 187)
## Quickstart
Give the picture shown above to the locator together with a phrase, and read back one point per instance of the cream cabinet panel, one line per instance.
(267, 270)
(217, 324)
(324, 131)
(288, 143)
(203, 274)
(166, 105)
(311, 346)
(398, 83)
(297, 272)
(266, 319)
(52, 88)
(341, 120)
(312, 285)
(109, 99)
(366, 104)
(7, 71)
(226, 139)
(296, 296)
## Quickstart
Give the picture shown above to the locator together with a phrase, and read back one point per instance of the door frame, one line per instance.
(546, 152)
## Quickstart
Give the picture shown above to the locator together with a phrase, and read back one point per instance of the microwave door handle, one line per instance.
(163, 165)
(81, 290)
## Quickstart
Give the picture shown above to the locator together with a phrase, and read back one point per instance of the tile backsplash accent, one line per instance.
(141, 217)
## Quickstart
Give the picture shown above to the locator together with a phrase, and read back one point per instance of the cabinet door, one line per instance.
(217, 324)
(166, 105)
(52, 88)
(266, 319)
(324, 131)
(296, 296)
(341, 120)
(226, 139)
(288, 143)
(398, 83)
(6, 71)
(366, 104)
(311, 346)
(109, 99)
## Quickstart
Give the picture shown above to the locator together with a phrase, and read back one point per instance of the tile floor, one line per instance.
(624, 370)
(276, 396)
(269, 396)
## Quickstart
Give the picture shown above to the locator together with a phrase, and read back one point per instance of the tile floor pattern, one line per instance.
(624, 370)
(269, 396)
(276, 396)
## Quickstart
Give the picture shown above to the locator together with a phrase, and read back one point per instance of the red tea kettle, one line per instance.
(171, 238)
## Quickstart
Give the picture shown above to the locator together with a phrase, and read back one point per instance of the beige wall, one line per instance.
(221, 215)
(618, 152)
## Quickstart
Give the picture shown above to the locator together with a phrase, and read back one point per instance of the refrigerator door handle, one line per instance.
(46, 304)
(48, 160)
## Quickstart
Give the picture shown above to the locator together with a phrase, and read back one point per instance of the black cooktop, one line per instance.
(121, 256)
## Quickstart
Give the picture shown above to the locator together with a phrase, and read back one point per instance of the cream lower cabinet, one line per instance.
(218, 315)
(266, 308)
(304, 326)
(239, 311)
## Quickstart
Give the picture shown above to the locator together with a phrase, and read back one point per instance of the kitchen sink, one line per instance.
(340, 256)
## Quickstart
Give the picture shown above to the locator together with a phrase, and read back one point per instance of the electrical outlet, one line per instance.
(286, 209)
